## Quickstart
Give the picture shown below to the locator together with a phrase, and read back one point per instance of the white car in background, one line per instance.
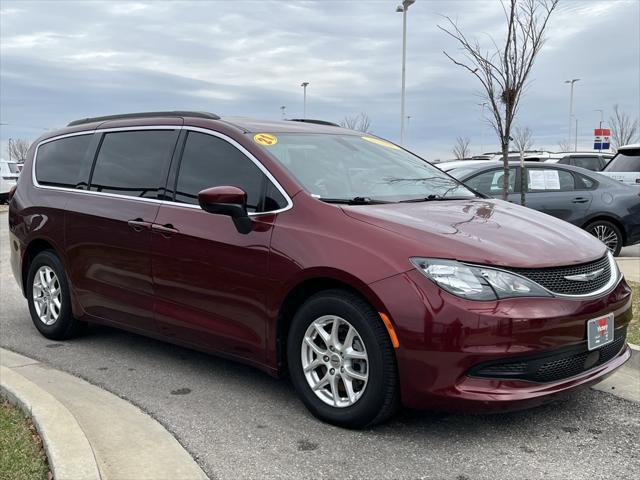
(625, 166)
(9, 174)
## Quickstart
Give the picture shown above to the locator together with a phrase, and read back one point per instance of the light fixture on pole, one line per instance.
(483, 104)
(403, 9)
(304, 85)
(571, 105)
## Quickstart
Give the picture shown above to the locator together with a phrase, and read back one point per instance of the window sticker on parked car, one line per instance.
(378, 141)
(265, 139)
(551, 180)
(544, 179)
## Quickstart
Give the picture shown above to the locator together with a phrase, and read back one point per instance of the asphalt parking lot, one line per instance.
(240, 423)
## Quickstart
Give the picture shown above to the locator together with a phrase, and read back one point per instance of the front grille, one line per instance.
(551, 367)
(553, 278)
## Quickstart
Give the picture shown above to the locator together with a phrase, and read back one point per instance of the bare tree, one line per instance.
(522, 138)
(624, 130)
(360, 122)
(461, 149)
(503, 69)
(564, 146)
(17, 149)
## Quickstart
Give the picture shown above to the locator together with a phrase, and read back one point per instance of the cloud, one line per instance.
(62, 60)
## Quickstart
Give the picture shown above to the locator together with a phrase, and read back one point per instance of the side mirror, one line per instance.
(230, 201)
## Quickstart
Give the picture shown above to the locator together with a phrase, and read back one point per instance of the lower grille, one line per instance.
(553, 279)
(551, 367)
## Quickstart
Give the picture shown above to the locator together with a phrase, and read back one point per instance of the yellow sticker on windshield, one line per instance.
(379, 141)
(265, 139)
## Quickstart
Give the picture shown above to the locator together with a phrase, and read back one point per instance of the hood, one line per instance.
(490, 232)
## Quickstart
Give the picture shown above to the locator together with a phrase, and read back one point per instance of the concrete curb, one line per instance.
(99, 435)
(68, 450)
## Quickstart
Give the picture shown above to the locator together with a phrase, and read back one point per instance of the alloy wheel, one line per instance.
(335, 361)
(607, 236)
(47, 296)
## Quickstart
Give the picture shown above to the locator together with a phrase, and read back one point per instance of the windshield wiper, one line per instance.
(433, 198)
(354, 200)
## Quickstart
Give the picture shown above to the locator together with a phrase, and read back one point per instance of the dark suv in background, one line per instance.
(589, 160)
(368, 275)
(604, 207)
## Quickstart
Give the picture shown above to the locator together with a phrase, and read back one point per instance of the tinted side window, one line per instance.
(59, 162)
(625, 161)
(490, 183)
(565, 161)
(133, 163)
(543, 180)
(209, 161)
(584, 183)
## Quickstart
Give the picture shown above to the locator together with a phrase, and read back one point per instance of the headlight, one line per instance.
(475, 282)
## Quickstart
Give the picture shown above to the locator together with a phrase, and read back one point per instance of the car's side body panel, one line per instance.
(189, 277)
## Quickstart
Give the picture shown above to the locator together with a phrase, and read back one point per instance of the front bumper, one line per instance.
(443, 337)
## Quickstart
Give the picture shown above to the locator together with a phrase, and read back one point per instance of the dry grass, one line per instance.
(21, 453)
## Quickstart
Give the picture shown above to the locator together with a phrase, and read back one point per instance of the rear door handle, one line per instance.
(580, 200)
(138, 224)
(166, 230)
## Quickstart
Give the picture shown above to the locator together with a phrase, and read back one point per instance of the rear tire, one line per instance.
(608, 233)
(363, 349)
(49, 299)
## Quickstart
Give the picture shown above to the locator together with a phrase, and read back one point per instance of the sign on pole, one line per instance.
(601, 138)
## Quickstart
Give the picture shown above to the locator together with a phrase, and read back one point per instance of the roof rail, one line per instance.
(310, 120)
(124, 116)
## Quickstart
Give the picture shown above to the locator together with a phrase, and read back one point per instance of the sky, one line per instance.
(60, 61)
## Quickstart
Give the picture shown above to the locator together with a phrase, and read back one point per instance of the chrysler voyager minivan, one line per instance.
(367, 275)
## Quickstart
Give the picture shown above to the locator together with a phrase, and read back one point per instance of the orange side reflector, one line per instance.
(392, 332)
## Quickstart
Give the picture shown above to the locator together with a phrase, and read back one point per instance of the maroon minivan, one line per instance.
(369, 276)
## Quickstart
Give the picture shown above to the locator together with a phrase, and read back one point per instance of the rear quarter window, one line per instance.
(625, 161)
(59, 162)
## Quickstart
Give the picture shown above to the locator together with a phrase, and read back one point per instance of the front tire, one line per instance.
(608, 233)
(341, 360)
(49, 298)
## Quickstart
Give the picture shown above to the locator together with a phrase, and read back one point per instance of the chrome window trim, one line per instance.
(206, 131)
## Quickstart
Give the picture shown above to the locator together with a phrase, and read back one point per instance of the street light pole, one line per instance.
(576, 145)
(407, 128)
(304, 85)
(483, 104)
(403, 9)
(282, 110)
(571, 105)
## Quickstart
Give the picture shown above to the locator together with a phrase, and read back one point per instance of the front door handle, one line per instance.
(580, 200)
(166, 230)
(138, 224)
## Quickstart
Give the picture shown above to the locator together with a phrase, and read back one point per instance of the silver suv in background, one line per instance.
(625, 166)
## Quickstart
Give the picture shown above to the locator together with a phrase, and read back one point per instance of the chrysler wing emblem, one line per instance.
(585, 277)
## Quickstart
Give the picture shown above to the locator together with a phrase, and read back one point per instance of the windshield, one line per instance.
(13, 167)
(363, 167)
(625, 161)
